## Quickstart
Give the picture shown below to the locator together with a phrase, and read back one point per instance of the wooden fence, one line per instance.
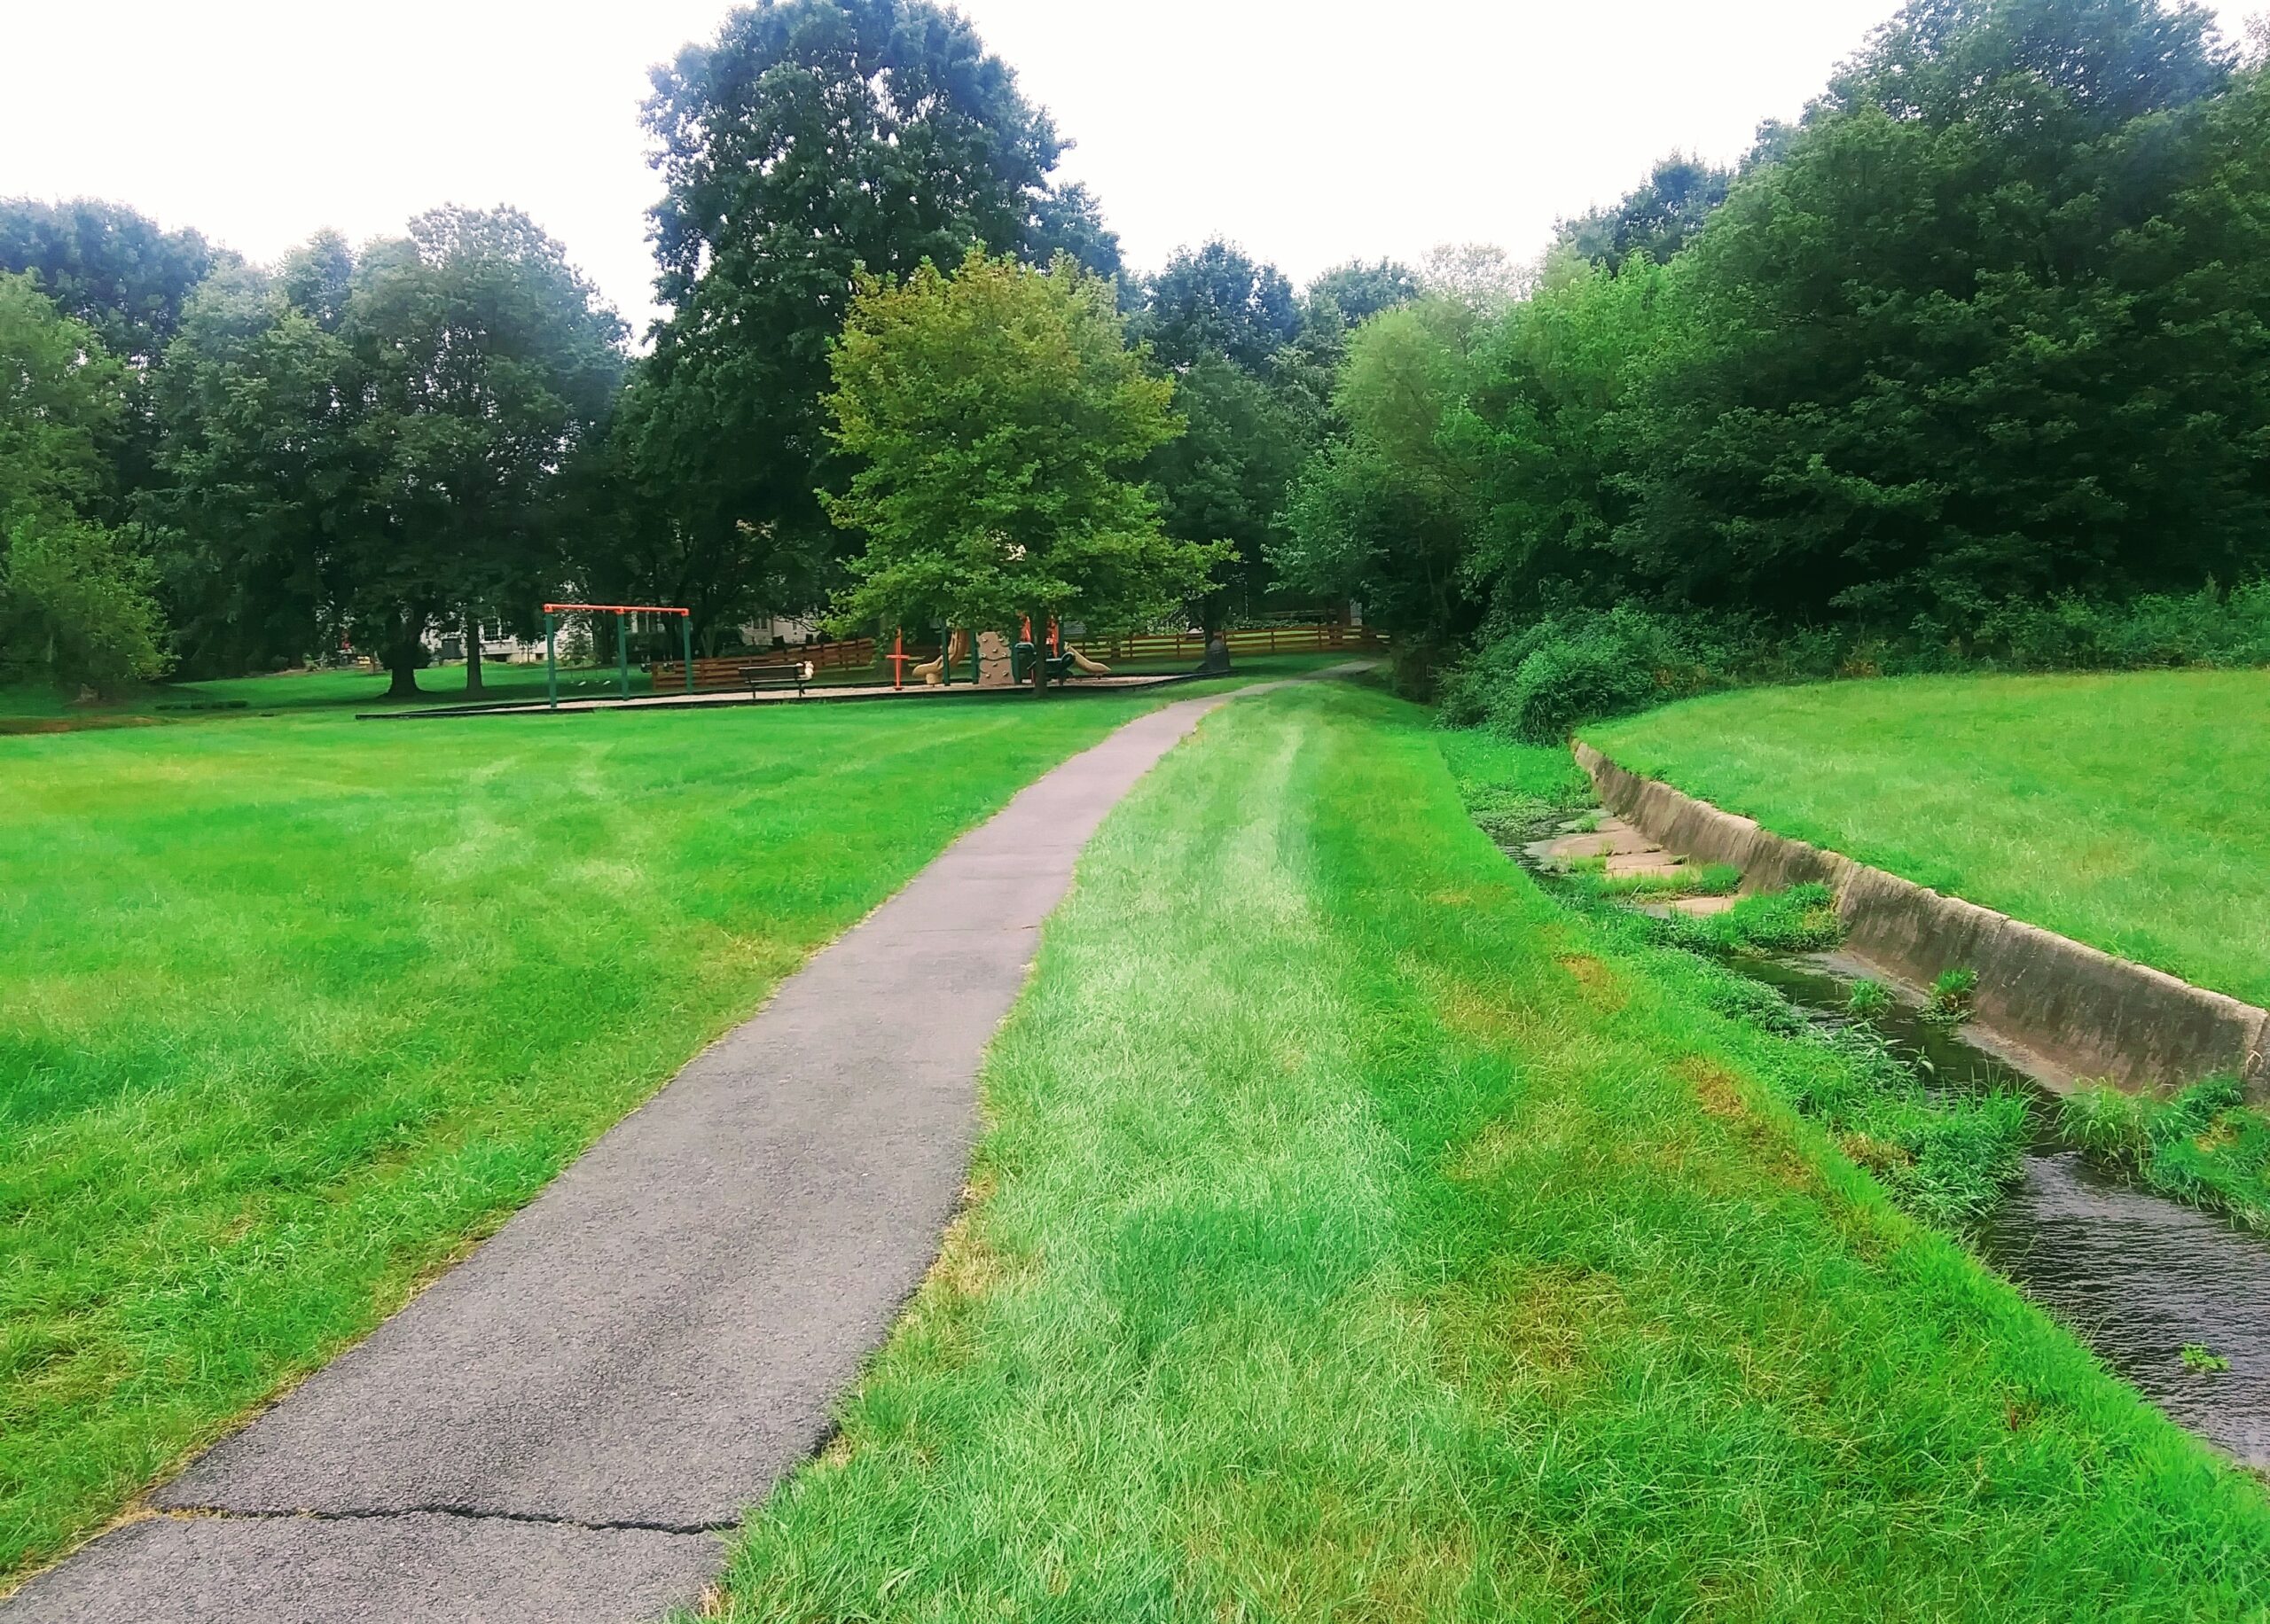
(1321, 637)
(858, 653)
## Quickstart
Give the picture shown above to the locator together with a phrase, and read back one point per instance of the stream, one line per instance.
(2134, 1274)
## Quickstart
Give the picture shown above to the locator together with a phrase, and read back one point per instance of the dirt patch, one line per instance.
(1603, 987)
(70, 724)
(1719, 1093)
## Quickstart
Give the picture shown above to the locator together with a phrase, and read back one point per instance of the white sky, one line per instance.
(1310, 132)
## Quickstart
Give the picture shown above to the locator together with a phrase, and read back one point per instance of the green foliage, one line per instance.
(1952, 991)
(1215, 301)
(1800, 919)
(1970, 353)
(2202, 1360)
(996, 415)
(370, 446)
(1868, 999)
(1657, 218)
(107, 265)
(62, 398)
(1358, 290)
(811, 140)
(76, 603)
(77, 606)
(2204, 1145)
(1383, 513)
(1577, 665)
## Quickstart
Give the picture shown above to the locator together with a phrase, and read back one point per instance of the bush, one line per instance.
(1538, 682)
(76, 606)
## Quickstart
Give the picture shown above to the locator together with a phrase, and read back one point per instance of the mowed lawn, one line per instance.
(291, 1009)
(1360, 1236)
(2126, 811)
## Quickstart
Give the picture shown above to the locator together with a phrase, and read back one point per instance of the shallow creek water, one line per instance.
(2135, 1275)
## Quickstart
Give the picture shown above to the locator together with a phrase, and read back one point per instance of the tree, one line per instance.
(1976, 336)
(1385, 513)
(812, 140)
(107, 265)
(1480, 276)
(997, 415)
(265, 482)
(1358, 292)
(365, 448)
(486, 363)
(1657, 218)
(1225, 476)
(76, 603)
(1215, 299)
(114, 270)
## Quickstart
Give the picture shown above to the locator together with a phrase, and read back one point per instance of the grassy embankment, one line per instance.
(290, 1009)
(2126, 811)
(1361, 1234)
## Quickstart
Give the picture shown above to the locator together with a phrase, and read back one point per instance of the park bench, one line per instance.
(783, 674)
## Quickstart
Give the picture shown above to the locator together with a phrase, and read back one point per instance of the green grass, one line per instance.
(2204, 1145)
(290, 1009)
(2126, 811)
(1361, 1235)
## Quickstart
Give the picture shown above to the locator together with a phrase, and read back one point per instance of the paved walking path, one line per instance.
(562, 1428)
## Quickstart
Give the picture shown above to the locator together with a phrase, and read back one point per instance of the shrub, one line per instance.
(76, 606)
(1538, 681)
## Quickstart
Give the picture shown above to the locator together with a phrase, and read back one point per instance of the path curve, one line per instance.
(562, 1428)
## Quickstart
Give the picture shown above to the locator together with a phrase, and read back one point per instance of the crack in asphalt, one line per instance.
(467, 1512)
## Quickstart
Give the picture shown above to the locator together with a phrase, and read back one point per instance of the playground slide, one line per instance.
(1081, 663)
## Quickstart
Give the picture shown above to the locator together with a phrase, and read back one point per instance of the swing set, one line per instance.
(553, 611)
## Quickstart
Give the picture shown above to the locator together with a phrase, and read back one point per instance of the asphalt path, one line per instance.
(562, 1429)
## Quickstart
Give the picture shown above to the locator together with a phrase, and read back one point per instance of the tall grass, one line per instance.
(1359, 1234)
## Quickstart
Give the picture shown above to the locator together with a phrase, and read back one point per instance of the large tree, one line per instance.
(128, 280)
(370, 448)
(264, 478)
(1981, 333)
(1385, 513)
(997, 416)
(486, 364)
(812, 139)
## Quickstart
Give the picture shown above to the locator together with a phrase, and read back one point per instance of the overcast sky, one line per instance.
(1311, 133)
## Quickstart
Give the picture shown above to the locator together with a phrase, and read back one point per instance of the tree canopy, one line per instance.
(1987, 326)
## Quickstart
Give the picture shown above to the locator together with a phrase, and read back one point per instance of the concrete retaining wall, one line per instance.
(2064, 1010)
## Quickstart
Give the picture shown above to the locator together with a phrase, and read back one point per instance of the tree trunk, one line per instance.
(401, 655)
(1040, 659)
(473, 656)
(402, 668)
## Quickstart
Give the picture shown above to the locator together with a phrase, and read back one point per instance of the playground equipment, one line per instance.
(1061, 661)
(553, 611)
(933, 673)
